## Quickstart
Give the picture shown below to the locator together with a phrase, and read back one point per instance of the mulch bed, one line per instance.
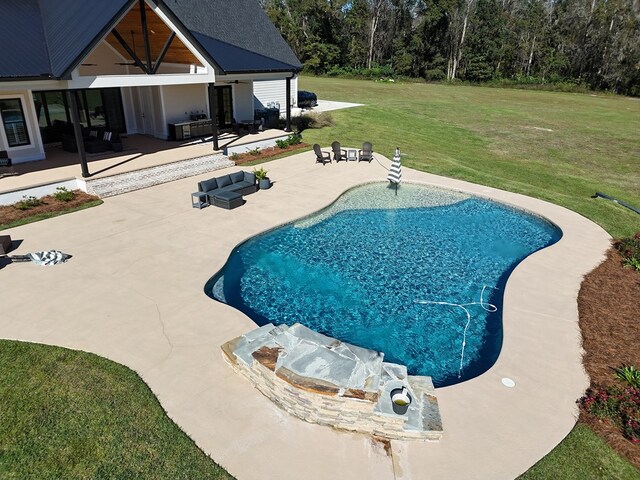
(267, 153)
(609, 306)
(9, 213)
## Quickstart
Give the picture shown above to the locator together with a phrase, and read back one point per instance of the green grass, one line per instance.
(500, 138)
(582, 456)
(44, 216)
(69, 414)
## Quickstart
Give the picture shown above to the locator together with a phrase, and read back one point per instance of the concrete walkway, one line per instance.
(330, 105)
(133, 292)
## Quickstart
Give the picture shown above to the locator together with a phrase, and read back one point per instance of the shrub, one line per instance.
(629, 374)
(293, 139)
(28, 202)
(63, 195)
(254, 151)
(234, 156)
(313, 120)
(620, 405)
(629, 248)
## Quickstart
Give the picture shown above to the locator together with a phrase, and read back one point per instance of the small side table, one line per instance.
(352, 155)
(199, 200)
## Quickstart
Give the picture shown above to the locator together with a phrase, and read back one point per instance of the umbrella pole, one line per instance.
(396, 189)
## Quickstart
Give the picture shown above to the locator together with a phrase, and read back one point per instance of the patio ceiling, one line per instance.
(130, 28)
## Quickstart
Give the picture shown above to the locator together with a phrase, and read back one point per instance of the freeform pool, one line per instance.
(362, 269)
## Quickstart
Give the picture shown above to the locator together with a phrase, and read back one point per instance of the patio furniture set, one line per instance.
(339, 153)
(96, 140)
(225, 191)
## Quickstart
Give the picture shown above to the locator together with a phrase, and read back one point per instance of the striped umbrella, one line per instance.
(395, 172)
(49, 257)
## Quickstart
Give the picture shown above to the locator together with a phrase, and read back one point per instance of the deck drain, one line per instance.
(507, 382)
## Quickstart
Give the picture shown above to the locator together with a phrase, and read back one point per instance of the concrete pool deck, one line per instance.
(133, 292)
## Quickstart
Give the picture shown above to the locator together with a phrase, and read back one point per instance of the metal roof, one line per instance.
(237, 34)
(48, 38)
(23, 52)
(72, 26)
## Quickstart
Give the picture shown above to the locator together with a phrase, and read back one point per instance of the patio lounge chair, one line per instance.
(321, 157)
(338, 153)
(366, 153)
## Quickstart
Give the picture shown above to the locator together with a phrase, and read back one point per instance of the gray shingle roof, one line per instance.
(48, 38)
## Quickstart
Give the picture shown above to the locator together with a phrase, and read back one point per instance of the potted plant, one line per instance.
(263, 181)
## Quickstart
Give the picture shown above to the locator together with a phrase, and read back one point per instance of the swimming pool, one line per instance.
(364, 269)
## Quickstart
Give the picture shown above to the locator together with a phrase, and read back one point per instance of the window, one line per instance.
(99, 108)
(15, 125)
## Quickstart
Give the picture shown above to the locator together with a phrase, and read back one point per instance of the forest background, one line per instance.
(561, 44)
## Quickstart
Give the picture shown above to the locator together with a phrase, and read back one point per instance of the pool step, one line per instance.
(326, 381)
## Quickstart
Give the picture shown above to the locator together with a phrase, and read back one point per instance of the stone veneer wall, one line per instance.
(330, 409)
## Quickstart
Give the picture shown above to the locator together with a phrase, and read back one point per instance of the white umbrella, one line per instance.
(395, 172)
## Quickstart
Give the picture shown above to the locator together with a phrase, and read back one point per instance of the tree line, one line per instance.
(590, 42)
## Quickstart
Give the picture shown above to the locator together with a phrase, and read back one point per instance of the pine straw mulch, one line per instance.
(609, 308)
(265, 153)
(9, 213)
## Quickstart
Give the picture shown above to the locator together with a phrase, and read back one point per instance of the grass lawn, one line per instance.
(582, 456)
(68, 414)
(559, 147)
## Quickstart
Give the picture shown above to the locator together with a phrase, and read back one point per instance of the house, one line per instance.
(135, 67)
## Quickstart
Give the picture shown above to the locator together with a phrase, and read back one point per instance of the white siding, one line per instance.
(266, 91)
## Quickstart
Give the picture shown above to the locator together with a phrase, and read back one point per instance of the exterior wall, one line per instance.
(168, 68)
(25, 153)
(243, 100)
(181, 101)
(131, 111)
(159, 124)
(104, 60)
(266, 91)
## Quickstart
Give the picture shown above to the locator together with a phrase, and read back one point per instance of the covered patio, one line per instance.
(140, 152)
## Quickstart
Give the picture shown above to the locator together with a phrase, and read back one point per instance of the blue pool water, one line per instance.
(355, 270)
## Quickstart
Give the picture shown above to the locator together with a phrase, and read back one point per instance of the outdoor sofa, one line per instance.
(95, 140)
(226, 191)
